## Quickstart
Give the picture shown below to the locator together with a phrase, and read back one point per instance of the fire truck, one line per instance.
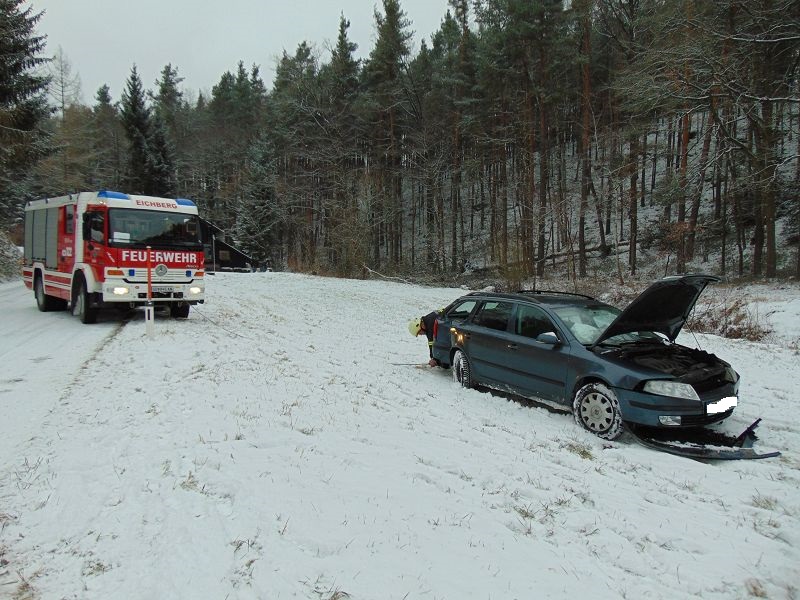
(95, 249)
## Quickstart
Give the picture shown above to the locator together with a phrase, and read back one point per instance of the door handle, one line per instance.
(512, 347)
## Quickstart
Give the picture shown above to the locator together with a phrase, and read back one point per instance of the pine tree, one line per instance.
(387, 88)
(168, 102)
(429, 148)
(160, 159)
(293, 117)
(136, 121)
(234, 120)
(23, 105)
(453, 84)
(107, 143)
(171, 115)
(338, 155)
(260, 217)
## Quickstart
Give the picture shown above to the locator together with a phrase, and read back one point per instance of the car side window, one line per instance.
(461, 311)
(532, 322)
(494, 315)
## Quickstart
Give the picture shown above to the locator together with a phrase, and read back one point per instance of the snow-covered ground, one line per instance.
(271, 446)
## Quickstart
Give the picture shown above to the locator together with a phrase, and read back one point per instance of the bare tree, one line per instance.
(65, 86)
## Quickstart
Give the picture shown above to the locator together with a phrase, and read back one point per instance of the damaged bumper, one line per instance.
(702, 444)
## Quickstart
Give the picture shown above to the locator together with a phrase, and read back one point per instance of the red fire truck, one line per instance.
(95, 249)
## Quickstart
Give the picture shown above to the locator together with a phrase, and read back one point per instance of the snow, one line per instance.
(271, 446)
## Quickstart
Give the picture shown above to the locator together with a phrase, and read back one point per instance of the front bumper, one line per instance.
(651, 410)
(136, 292)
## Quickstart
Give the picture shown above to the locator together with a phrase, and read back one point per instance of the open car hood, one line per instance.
(663, 307)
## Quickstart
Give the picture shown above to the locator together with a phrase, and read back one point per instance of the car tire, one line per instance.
(596, 409)
(44, 302)
(462, 370)
(179, 311)
(81, 304)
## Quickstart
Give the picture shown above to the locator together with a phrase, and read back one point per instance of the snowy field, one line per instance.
(270, 447)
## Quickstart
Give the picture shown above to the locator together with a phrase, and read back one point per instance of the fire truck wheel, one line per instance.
(81, 307)
(43, 301)
(179, 311)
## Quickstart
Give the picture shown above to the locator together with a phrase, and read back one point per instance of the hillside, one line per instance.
(281, 444)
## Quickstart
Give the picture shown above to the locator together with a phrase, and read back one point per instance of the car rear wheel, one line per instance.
(596, 409)
(462, 370)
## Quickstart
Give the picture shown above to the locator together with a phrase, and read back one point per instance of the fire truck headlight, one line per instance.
(195, 290)
(121, 291)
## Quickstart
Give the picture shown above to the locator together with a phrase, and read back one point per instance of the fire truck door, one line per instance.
(94, 239)
(66, 239)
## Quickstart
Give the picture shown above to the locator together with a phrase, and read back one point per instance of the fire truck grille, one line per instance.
(140, 275)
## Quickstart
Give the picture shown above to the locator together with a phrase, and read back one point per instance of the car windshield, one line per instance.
(138, 228)
(587, 323)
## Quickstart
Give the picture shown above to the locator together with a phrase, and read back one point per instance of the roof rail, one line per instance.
(555, 292)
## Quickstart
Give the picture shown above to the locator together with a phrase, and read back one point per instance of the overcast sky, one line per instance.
(102, 39)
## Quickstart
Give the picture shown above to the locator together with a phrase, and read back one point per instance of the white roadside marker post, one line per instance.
(148, 308)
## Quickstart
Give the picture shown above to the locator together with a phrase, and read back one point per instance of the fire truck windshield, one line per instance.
(139, 228)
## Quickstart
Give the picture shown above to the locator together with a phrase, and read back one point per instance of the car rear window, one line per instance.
(494, 315)
(461, 310)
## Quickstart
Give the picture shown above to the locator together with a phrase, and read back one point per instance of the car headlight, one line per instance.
(121, 291)
(673, 389)
(732, 376)
(195, 290)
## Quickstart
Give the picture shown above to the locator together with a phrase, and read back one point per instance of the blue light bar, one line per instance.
(185, 202)
(112, 195)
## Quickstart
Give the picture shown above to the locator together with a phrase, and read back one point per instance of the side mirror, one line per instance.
(549, 338)
(86, 226)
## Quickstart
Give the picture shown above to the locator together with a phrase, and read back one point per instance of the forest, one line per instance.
(526, 138)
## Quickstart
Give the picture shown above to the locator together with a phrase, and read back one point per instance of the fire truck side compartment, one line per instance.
(41, 236)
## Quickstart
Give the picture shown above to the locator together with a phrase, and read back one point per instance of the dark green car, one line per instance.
(608, 366)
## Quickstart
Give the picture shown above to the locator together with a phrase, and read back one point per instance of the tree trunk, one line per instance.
(633, 202)
(644, 166)
(695, 211)
(503, 183)
(586, 154)
(455, 192)
(768, 188)
(544, 168)
(430, 219)
(684, 160)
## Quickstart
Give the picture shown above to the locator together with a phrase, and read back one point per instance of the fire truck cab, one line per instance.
(95, 249)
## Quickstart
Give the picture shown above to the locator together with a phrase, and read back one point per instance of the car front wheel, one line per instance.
(462, 370)
(596, 408)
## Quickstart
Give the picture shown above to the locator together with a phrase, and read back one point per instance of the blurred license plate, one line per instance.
(721, 406)
(163, 288)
